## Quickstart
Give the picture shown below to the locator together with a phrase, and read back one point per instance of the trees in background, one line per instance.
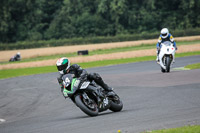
(22, 20)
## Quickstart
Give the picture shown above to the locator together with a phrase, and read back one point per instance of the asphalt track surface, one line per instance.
(152, 100)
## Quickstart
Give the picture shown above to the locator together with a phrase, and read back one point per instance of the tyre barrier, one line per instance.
(83, 52)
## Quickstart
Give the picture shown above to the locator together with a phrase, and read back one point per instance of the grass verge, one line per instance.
(185, 129)
(8, 73)
(193, 66)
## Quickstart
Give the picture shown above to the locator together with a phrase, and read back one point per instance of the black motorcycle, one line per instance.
(90, 97)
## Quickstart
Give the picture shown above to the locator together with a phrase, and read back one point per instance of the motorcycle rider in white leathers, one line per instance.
(165, 36)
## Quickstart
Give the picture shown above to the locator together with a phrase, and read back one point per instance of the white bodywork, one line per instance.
(167, 48)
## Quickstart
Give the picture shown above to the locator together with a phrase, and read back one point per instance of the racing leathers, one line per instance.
(82, 75)
(160, 40)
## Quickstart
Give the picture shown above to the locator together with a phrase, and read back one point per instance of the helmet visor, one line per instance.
(164, 35)
(62, 67)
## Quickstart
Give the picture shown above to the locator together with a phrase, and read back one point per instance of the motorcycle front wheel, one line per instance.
(168, 63)
(162, 70)
(87, 106)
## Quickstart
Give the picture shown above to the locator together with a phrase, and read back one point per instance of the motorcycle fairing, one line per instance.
(69, 89)
(167, 49)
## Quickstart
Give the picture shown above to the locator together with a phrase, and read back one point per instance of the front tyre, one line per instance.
(87, 106)
(168, 63)
(116, 104)
(162, 70)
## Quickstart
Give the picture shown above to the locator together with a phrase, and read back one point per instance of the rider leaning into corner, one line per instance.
(165, 36)
(63, 66)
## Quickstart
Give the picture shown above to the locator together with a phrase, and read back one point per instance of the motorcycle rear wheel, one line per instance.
(90, 109)
(116, 104)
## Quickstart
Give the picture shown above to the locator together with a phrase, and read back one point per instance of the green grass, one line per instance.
(185, 129)
(187, 54)
(26, 71)
(38, 70)
(8, 73)
(101, 51)
(193, 66)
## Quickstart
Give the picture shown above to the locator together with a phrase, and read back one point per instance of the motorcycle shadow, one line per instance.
(87, 117)
(172, 71)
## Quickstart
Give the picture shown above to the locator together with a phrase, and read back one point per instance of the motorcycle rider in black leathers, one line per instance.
(63, 66)
(16, 57)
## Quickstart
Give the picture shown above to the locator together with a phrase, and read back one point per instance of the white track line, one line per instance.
(181, 68)
(2, 120)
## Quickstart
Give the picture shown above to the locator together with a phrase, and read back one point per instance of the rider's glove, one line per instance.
(60, 81)
(176, 48)
(65, 93)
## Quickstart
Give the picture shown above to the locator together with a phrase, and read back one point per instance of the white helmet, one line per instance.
(164, 33)
(62, 65)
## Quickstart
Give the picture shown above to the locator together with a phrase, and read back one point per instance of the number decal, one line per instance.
(66, 82)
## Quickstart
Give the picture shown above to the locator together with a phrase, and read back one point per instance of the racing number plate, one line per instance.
(84, 85)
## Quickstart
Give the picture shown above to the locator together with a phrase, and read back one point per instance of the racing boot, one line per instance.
(157, 59)
(97, 78)
(100, 82)
(108, 90)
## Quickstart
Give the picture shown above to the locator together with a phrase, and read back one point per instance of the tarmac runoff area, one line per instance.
(152, 100)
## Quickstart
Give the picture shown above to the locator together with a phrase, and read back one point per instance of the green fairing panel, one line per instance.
(66, 92)
(72, 84)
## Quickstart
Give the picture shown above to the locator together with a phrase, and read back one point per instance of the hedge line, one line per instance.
(93, 40)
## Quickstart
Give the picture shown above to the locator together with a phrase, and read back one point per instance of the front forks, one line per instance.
(165, 59)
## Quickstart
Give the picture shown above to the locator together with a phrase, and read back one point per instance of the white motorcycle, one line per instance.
(166, 56)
